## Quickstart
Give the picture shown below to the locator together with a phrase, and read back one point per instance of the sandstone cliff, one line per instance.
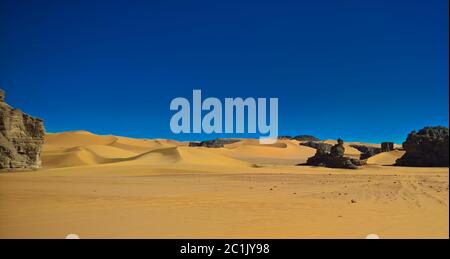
(21, 138)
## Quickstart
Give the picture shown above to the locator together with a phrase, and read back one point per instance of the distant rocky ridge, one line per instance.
(215, 143)
(21, 138)
(300, 138)
(305, 138)
(427, 148)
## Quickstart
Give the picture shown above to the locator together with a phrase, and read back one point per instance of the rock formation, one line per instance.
(326, 148)
(335, 158)
(387, 146)
(338, 150)
(428, 147)
(367, 151)
(215, 143)
(21, 138)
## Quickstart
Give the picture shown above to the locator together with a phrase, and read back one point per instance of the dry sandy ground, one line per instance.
(115, 187)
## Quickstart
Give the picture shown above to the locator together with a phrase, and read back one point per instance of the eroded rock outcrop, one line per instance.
(427, 148)
(334, 158)
(21, 138)
(367, 151)
(326, 148)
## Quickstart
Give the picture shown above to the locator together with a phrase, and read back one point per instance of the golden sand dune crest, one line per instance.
(80, 148)
(71, 157)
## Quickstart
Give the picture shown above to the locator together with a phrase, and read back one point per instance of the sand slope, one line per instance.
(88, 155)
(386, 158)
(284, 152)
(184, 156)
(81, 148)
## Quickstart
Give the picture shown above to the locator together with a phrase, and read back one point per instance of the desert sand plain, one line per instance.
(116, 187)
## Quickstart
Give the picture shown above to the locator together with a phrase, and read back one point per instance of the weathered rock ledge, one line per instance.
(21, 138)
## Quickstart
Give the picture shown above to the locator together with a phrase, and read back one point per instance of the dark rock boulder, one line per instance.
(334, 158)
(427, 148)
(21, 138)
(338, 150)
(215, 143)
(326, 160)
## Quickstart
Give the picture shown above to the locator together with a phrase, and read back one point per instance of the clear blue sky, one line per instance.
(366, 70)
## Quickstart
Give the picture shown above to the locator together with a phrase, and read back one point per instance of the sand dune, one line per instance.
(204, 156)
(142, 145)
(81, 148)
(110, 151)
(386, 158)
(76, 138)
(184, 156)
(77, 156)
(87, 155)
(255, 142)
(84, 138)
(284, 152)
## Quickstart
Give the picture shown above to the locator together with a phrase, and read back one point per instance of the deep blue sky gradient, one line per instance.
(364, 70)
